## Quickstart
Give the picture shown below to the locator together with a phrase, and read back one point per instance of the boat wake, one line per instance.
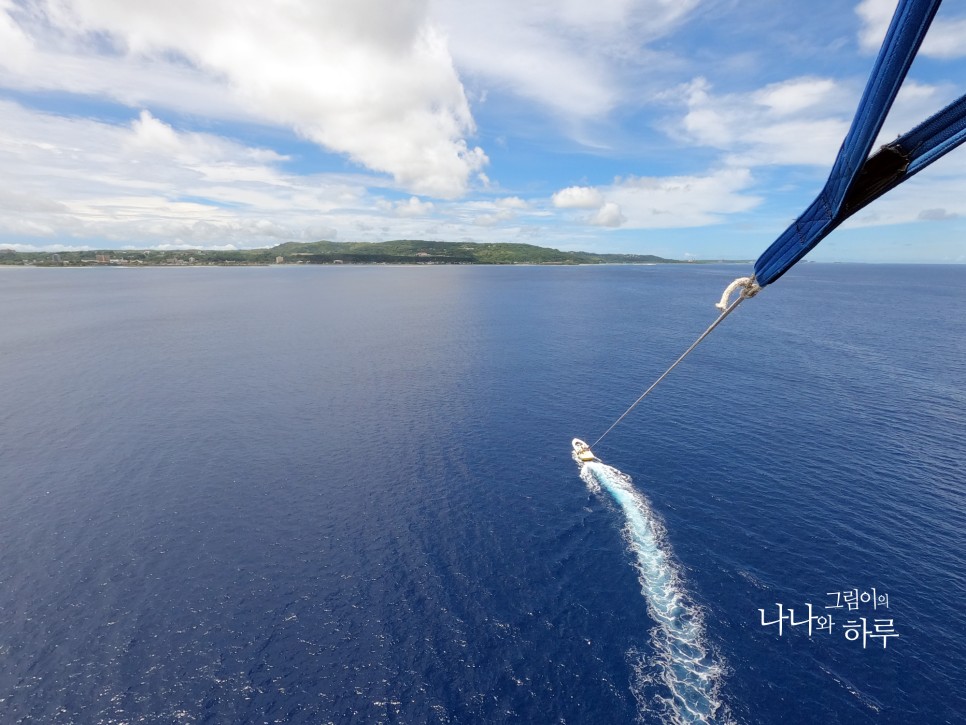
(680, 682)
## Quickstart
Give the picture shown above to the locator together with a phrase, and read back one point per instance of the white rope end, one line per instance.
(748, 286)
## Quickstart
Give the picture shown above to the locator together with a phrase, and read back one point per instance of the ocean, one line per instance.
(346, 494)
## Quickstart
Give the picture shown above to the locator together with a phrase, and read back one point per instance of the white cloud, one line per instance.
(567, 55)
(512, 202)
(795, 95)
(578, 197)
(681, 201)
(44, 247)
(413, 207)
(13, 201)
(153, 136)
(465, 215)
(145, 183)
(801, 122)
(17, 47)
(875, 16)
(382, 84)
(39, 55)
(368, 79)
(490, 220)
(935, 195)
(663, 202)
(943, 40)
(497, 212)
(798, 121)
(914, 104)
(609, 215)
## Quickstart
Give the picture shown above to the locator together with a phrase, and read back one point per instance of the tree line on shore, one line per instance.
(403, 251)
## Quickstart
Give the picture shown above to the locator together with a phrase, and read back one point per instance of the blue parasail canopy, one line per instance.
(858, 179)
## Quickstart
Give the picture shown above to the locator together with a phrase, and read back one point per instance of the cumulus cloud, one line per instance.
(609, 215)
(664, 202)
(145, 183)
(382, 84)
(801, 121)
(798, 121)
(682, 201)
(578, 197)
(368, 79)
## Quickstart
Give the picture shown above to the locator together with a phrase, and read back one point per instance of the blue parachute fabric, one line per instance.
(909, 25)
(935, 137)
(908, 155)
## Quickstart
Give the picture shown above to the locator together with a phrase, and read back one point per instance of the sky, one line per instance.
(682, 128)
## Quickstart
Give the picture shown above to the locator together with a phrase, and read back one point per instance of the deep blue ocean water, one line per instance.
(345, 494)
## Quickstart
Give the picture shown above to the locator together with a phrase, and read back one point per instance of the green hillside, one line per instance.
(451, 252)
(400, 251)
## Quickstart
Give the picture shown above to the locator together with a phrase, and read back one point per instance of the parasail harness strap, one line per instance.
(858, 179)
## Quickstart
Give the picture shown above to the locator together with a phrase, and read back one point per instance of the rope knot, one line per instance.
(749, 288)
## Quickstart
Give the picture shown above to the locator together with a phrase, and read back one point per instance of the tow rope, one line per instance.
(749, 288)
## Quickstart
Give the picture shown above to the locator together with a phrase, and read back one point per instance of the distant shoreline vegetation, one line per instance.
(403, 251)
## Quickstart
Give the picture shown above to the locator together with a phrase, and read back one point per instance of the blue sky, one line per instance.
(684, 128)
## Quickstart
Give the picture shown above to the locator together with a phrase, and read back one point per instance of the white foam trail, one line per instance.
(682, 683)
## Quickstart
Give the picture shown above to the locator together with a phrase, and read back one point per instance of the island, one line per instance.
(400, 251)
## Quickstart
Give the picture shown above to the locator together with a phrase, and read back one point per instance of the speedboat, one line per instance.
(582, 452)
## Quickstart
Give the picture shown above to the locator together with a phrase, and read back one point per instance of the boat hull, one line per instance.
(581, 452)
